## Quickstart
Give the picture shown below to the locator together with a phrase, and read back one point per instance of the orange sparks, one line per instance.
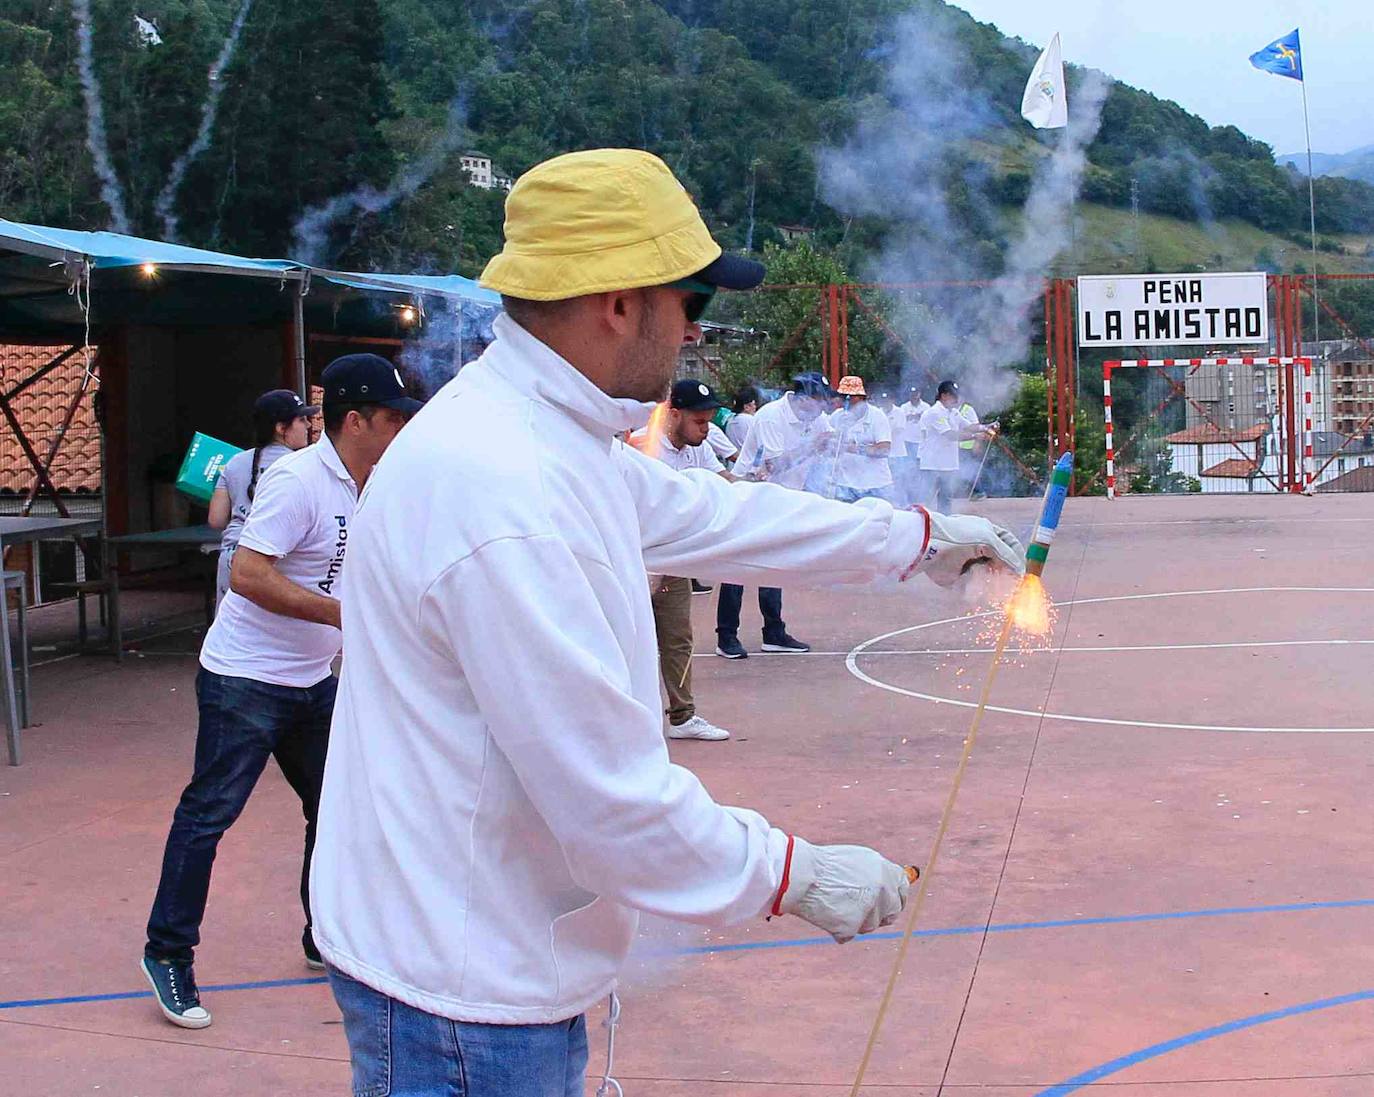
(653, 433)
(1029, 608)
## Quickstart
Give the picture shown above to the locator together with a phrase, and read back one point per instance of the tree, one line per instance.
(301, 124)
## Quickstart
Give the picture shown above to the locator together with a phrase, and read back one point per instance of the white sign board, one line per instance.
(1160, 310)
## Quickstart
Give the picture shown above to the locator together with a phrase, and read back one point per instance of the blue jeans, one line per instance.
(243, 723)
(400, 1051)
(731, 599)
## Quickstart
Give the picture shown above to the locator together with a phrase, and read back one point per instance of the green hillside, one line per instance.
(1107, 245)
(339, 127)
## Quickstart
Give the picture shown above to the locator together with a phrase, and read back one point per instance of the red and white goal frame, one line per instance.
(1128, 363)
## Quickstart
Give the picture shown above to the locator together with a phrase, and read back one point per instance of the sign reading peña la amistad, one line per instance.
(1155, 310)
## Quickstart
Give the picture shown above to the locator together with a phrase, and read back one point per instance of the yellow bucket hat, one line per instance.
(607, 219)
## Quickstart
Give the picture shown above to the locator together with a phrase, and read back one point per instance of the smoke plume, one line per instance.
(455, 332)
(312, 231)
(922, 162)
(209, 109)
(111, 193)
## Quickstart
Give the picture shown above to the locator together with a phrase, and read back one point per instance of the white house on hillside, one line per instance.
(481, 172)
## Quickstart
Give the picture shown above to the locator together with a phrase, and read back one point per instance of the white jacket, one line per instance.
(499, 799)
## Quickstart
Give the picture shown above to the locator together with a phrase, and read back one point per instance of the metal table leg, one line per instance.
(12, 724)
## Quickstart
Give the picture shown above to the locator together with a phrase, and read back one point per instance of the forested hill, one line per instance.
(381, 97)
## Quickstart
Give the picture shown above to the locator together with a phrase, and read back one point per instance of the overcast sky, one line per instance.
(1196, 52)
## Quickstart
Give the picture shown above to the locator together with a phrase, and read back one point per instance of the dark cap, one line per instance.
(693, 395)
(732, 272)
(282, 406)
(813, 384)
(366, 379)
(947, 388)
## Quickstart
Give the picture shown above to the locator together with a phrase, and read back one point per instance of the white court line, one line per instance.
(1080, 650)
(861, 649)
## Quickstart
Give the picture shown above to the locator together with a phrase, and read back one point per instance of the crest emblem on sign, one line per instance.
(1047, 87)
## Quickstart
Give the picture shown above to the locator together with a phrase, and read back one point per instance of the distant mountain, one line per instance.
(1357, 164)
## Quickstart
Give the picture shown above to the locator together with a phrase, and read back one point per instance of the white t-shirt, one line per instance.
(862, 425)
(780, 436)
(235, 477)
(737, 429)
(896, 419)
(700, 456)
(940, 427)
(301, 513)
(719, 441)
(914, 432)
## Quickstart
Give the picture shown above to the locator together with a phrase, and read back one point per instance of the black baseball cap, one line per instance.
(727, 272)
(813, 384)
(947, 388)
(693, 395)
(366, 379)
(283, 406)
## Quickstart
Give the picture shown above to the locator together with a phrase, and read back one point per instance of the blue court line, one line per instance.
(792, 942)
(1088, 1077)
(268, 984)
(1015, 927)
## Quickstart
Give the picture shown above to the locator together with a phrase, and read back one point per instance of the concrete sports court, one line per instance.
(1157, 881)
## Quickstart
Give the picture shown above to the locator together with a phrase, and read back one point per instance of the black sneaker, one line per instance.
(786, 645)
(174, 988)
(313, 960)
(731, 649)
(701, 588)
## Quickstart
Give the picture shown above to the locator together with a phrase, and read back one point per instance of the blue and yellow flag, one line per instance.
(1282, 57)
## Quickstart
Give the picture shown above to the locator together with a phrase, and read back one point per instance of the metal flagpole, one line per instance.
(1312, 214)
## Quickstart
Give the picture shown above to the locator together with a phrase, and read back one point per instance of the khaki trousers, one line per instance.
(672, 600)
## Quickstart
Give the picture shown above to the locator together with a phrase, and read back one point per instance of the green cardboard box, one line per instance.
(201, 466)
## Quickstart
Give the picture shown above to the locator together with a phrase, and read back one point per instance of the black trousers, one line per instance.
(728, 605)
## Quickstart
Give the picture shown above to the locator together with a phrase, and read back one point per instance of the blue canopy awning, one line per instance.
(138, 281)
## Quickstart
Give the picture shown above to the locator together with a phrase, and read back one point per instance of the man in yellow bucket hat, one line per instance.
(499, 802)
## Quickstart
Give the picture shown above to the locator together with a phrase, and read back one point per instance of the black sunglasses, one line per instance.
(695, 306)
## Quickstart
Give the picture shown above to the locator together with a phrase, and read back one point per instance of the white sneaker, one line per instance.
(697, 728)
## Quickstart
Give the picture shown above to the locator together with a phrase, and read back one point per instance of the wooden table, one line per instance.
(205, 538)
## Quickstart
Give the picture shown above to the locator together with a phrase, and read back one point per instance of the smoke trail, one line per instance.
(455, 333)
(1044, 232)
(111, 193)
(209, 109)
(311, 232)
(912, 162)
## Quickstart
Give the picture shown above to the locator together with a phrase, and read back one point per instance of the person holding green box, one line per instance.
(265, 688)
(281, 425)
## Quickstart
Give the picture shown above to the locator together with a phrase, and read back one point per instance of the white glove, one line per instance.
(844, 890)
(958, 540)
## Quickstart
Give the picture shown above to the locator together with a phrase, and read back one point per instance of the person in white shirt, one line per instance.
(861, 443)
(896, 455)
(265, 689)
(908, 472)
(745, 403)
(786, 444)
(944, 428)
(683, 445)
(281, 425)
(499, 801)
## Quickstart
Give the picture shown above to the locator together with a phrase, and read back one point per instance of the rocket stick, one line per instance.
(1050, 511)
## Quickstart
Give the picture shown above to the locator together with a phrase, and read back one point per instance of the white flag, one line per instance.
(1045, 106)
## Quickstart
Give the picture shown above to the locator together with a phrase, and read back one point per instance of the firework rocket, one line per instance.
(1050, 510)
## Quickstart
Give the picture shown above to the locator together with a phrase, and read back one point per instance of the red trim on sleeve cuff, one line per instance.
(786, 876)
(920, 556)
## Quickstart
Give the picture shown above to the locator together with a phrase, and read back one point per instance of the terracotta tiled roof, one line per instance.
(1234, 466)
(1360, 479)
(40, 409)
(1206, 432)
